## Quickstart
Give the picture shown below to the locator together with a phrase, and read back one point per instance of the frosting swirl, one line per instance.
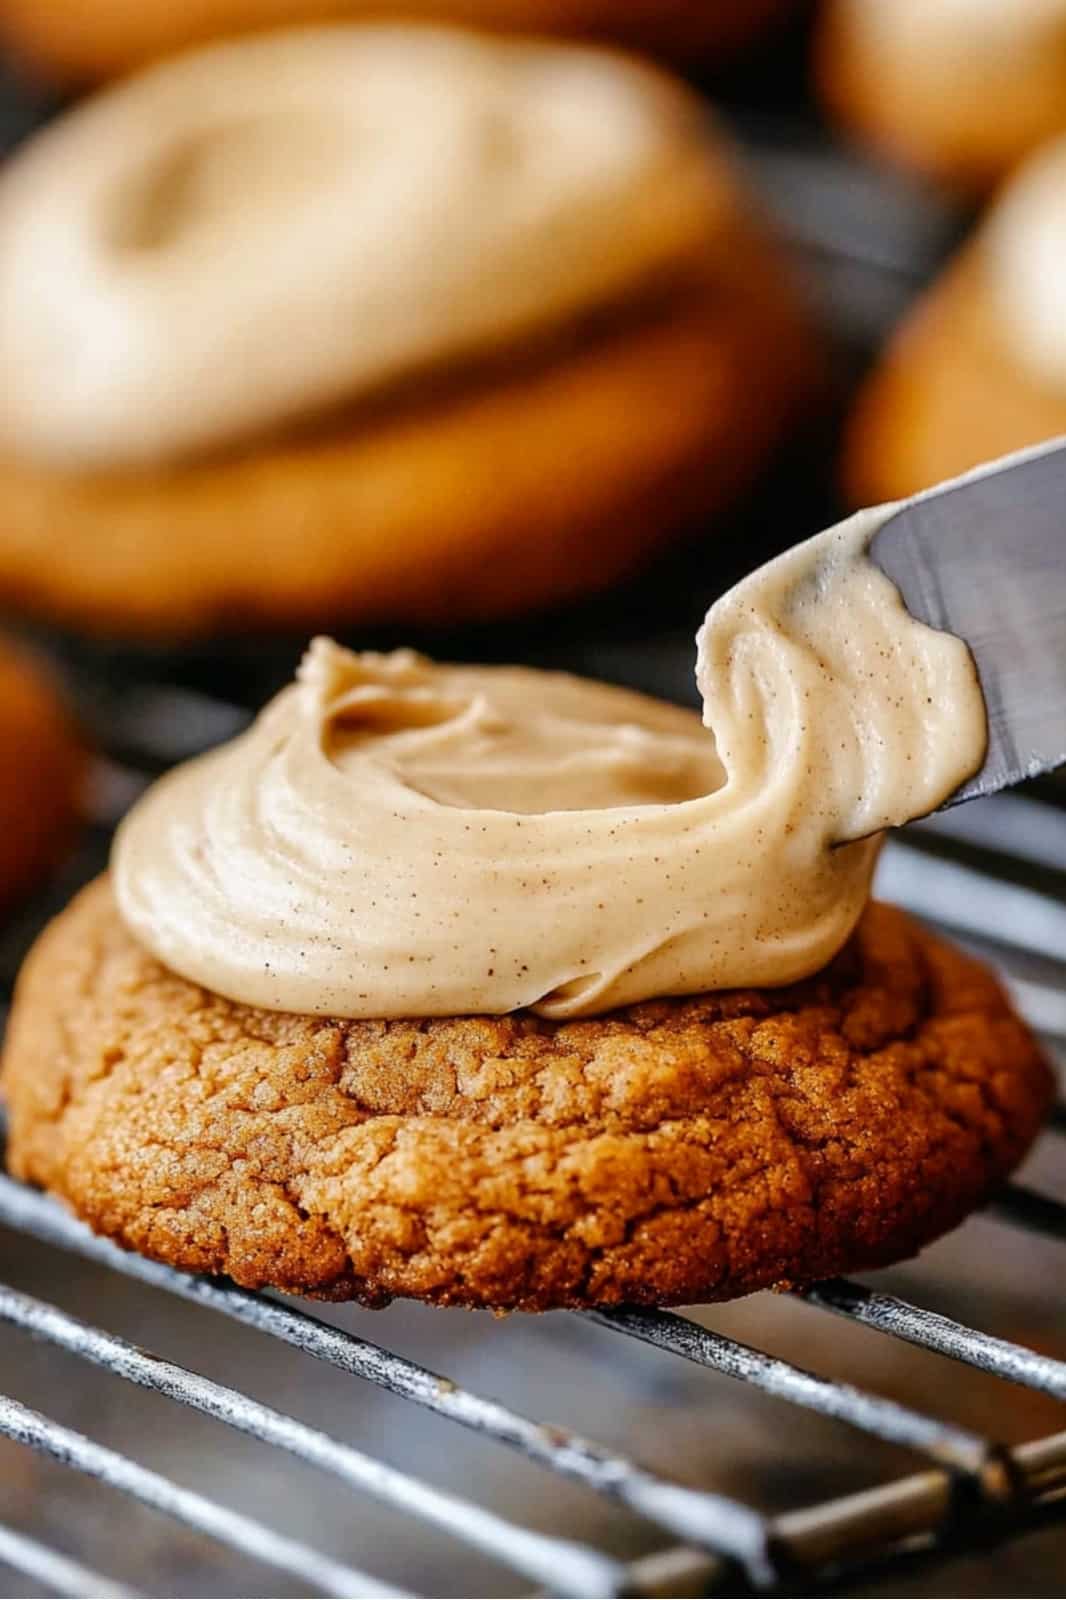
(255, 232)
(397, 838)
(1024, 250)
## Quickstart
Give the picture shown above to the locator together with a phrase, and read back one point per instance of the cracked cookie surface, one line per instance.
(678, 1150)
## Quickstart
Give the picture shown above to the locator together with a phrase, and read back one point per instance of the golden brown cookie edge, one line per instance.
(289, 1153)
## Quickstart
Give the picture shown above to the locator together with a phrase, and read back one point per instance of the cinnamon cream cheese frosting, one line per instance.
(1024, 249)
(394, 837)
(255, 233)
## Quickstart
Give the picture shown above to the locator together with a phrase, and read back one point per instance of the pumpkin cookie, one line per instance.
(676, 1150)
(68, 43)
(377, 324)
(978, 368)
(959, 90)
(40, 775)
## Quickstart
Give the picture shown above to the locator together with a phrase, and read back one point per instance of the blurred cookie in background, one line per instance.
(41, 773)
(70, 42)
(960, 90)
(376, 323)
(979, 367)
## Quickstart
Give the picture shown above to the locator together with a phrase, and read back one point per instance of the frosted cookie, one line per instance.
(671, 1152)
(66, 42)
(978, 368)
(503, 988)
(960, 90)
(376, 324)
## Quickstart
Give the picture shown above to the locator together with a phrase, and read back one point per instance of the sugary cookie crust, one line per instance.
(679, 1150)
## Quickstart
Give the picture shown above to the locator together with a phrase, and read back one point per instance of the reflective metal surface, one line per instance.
(986, 559)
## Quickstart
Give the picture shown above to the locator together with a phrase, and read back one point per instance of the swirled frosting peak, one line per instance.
(253, 233)
(397, 838)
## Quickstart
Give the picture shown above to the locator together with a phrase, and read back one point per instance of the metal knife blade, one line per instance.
(984, 557)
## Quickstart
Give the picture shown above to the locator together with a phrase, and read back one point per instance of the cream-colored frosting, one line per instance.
(397, 838)
(959, 34)
(1023, 243)
(261, 230)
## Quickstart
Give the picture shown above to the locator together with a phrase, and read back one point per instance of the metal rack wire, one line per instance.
(971, 1489)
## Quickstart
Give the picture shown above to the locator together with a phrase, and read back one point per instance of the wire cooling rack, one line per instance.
(965, 871)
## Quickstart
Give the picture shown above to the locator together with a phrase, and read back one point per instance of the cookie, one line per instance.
(946, 396)
(978, 367)
(40, 776)
(678, 1150)
(496, 493)
(377, 324)
(916, 81)
(65, 42)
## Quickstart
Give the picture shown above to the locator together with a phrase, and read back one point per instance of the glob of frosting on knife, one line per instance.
(397, 838)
